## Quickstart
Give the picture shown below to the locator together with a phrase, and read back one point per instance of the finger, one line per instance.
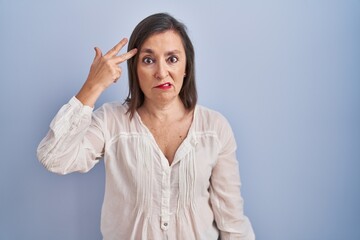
(98, 53)
(125, 56)
(115, 50)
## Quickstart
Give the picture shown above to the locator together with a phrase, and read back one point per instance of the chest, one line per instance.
(131, 158)
(170, 136)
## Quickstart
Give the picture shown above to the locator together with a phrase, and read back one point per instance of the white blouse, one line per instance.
(196, 197)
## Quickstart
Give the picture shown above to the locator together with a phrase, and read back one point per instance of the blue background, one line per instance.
(286, 74)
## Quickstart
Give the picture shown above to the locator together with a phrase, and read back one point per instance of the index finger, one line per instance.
(125, 56)
(116, 49)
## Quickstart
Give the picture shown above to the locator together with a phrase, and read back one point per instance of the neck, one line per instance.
(163, 112)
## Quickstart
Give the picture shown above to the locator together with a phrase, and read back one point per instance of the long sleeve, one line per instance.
(226, 199)
(74, 141)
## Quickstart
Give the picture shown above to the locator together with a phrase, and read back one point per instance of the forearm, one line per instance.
(89, 94)
(227, 202)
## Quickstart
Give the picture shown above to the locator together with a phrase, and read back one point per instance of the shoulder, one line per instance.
(112, 111)
(209, 117)
(209, 122)
(115, 107)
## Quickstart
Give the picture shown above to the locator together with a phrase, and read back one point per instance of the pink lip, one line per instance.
(164, 86)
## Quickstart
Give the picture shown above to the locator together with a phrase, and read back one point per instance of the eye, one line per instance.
(148, 60)
(173, 59)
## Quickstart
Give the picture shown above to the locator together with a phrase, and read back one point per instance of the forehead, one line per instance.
(164, 41)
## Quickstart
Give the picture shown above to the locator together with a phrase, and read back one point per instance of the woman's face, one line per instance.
(161, 67)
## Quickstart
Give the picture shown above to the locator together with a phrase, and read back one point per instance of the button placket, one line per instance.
(165, 199)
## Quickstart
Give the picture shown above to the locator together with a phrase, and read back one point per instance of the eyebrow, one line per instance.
(150, 51)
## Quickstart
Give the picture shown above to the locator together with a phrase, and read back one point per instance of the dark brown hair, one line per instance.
(159, 23)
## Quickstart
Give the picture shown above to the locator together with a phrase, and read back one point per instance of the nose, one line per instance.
(161, 70)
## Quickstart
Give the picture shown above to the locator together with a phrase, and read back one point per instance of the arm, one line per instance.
(75, 140)
(226, 199)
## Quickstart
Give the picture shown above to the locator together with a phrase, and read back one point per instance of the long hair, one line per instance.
(159, 23)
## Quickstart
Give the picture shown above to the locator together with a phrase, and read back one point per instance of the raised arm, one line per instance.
(75, 140)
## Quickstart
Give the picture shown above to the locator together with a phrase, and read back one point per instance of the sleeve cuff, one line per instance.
(83, 108)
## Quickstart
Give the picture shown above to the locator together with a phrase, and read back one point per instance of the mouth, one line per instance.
(164, 86)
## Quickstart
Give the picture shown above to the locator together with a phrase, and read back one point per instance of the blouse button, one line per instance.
(165, 224)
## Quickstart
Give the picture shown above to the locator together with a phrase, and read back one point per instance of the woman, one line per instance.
(171, 168)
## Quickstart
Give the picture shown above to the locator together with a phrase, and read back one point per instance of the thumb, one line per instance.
(98, 53)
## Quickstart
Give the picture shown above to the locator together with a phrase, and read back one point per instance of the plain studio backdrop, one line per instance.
(286, 74)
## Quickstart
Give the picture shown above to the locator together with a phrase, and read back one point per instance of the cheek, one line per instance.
(179, 71)
(141, 75)
(180, 74)
(144, 72)
(139, 71)
(144, 78)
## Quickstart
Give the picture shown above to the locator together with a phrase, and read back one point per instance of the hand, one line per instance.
(104, 71)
